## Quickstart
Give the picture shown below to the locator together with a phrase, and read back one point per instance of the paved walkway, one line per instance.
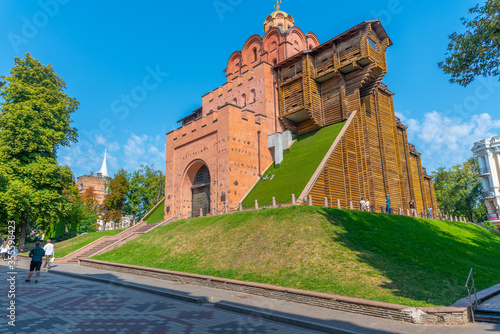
(62, 304)
(86, 299)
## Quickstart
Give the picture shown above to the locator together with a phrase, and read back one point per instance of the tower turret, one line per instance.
(104, 168)
(278, 19)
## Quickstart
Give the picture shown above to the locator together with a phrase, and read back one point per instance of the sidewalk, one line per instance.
(324, 320)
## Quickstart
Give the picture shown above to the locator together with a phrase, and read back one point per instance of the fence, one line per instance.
(308, 200)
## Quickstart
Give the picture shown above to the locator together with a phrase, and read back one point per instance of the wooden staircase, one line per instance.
(108, 243)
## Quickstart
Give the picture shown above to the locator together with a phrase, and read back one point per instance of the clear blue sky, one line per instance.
(104, 50)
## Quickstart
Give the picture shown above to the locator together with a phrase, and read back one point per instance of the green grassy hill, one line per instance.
(156, 215)
(395, 259)
(299, 164)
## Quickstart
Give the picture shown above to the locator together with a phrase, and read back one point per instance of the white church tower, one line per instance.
(104, 168)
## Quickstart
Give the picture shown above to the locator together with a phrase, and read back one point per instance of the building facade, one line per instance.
(487, 152)
(287, 80)
(98, 182)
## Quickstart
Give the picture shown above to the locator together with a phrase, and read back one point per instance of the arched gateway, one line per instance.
(201, 192)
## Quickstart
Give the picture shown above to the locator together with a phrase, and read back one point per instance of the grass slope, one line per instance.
(157, 214)
(394, 259)
(299, 164)
(66, 247)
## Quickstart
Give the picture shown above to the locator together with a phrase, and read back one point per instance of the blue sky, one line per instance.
(168, 54)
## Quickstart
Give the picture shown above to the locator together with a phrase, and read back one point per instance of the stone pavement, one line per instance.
(62, 304)
(118, 302)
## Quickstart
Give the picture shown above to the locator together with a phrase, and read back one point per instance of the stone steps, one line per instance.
(487, 315)
(105, 242)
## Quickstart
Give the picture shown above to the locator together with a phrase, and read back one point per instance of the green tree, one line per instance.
(115, 200)
(476, 52)
(35, 121)
(458, 190)
(146, 189)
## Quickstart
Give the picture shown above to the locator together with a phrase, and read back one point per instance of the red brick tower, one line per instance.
(218, 153)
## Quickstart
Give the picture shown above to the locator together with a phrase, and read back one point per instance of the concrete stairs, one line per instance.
(108, 243)
(487, 315)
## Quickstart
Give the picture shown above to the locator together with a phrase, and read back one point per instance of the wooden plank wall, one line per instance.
(332, 101)
(376, 192)
(373, 158)
(406, 193)
(430, 199)
(415, 180)
(387, 125)
(360, 168)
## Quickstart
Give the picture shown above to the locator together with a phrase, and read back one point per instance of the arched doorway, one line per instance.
(201, 192)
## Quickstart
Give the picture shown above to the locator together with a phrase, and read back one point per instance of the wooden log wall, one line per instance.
(416, 182)
(403, 159)
(373, 158)
(331, 100)
(430, 199)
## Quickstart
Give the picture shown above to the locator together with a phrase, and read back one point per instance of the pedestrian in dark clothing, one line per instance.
(36, 255)
(413, 209)
(388, 204)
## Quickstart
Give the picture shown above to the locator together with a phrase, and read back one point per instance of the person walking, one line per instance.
(362, 204)
(429, 213)
(36, 255)
(13, 253)
(368, 205)
(49, 251)
(4, 250)
(413, 209)
(388, 204)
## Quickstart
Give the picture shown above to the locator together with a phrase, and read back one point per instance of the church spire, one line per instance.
(104, 167)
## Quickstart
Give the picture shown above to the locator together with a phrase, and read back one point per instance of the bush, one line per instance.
(489, 224)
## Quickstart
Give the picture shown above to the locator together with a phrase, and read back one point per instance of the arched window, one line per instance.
(243, 100)
(275, 61)
(252, 96)
(254, 54)
(81, 186)
(235, 101)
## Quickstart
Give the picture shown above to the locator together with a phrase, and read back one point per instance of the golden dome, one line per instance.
(274, 14)
(279, 19)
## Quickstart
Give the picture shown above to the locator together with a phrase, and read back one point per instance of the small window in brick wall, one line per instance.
(168, 209)
(252, 96)
(223, 197)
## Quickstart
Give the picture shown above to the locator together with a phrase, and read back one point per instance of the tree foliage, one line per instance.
(88, 197)
(458, 190)
(35, 121)
(476, 52)
(146, 189)
(115, 200)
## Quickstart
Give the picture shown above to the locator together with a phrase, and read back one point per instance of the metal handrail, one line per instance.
(469, 288)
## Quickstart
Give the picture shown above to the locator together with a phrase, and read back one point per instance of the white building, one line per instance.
(488, 153)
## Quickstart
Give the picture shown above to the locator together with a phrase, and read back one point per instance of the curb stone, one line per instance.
(266, 314)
